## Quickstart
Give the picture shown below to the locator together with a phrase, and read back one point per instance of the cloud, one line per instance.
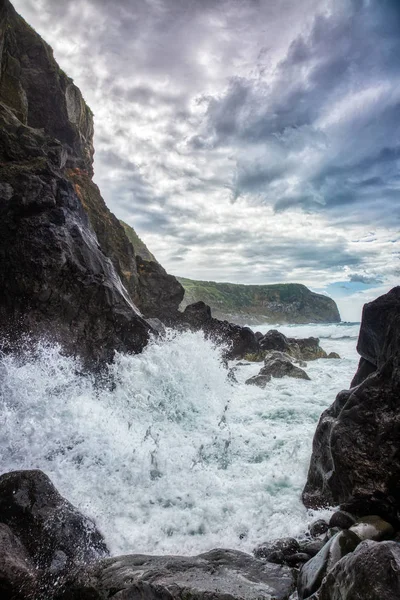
(245, 140)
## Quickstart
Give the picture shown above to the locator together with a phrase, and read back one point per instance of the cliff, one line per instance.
(256, 304)
(68, 271)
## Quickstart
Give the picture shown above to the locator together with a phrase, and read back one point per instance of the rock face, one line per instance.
(256, 304)
(357, 442)
(219, 574)
(371, 572)
(42, 537)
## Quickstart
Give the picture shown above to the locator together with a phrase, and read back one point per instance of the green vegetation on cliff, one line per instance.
(256, 304)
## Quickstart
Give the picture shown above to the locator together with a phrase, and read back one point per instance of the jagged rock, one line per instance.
(272, 354)
(282, 367)
(55, 534)
(277, 551)
(379, 334)
(219, 574)
(313, 572)
(371, 572)
(258, 380)
(159, 294)
(56, 281)
(308, 348)
(18, 574)
(357, 441)
(240, 341)
(356, 444)
(302, 349)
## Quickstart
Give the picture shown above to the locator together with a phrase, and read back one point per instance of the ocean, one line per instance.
(171, 454)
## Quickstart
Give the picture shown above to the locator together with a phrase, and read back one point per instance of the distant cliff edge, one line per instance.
(256, 304)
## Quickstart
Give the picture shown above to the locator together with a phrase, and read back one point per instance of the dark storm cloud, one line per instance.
(266, 134)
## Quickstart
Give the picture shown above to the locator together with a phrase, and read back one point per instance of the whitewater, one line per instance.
(172, 452)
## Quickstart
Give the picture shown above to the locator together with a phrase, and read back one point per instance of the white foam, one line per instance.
(173, 457)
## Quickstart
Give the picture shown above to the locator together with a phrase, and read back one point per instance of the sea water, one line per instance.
(171, 454)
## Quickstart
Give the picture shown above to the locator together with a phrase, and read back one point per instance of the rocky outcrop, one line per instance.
(159, 294)
(277, 365)
(238, 341)
(298, 349)
(257, 304)
(357, 442)
(56, 280)
(42, 536)
(218, 574)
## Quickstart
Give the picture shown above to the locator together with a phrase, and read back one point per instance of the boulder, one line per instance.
(218, 574)
(333, 355)
(55, 534)
(318, 527)
(302, 349)
(282, 367)
(18, 574)
(357, 443)
(371, 572)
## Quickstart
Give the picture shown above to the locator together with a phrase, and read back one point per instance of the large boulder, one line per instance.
(18, 574)
(218, 574)
(371, 572)
(55, 534)
(356, 448)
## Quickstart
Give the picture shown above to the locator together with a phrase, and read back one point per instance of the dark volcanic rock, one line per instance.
(217, 575)
(371, 572)
(55, 534)
(18, 574)
(282, 367)
(313, 572)
(258, 380)
(357, 442)
(277, 550)
(159, 294)
(238, 340)
(342, 519)
(302, 349)
(56, 280)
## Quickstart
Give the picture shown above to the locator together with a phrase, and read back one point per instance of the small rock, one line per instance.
(259, 380)
(284, 546)
(318, 527)
(333, 355)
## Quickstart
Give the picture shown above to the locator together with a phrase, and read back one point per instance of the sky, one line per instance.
(250, 141)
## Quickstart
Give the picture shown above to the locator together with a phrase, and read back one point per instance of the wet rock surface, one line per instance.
(356, 444)
(371, 572)
(18, 574)
(218, 574)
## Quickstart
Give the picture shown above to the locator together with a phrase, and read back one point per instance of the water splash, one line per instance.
(169, 454)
